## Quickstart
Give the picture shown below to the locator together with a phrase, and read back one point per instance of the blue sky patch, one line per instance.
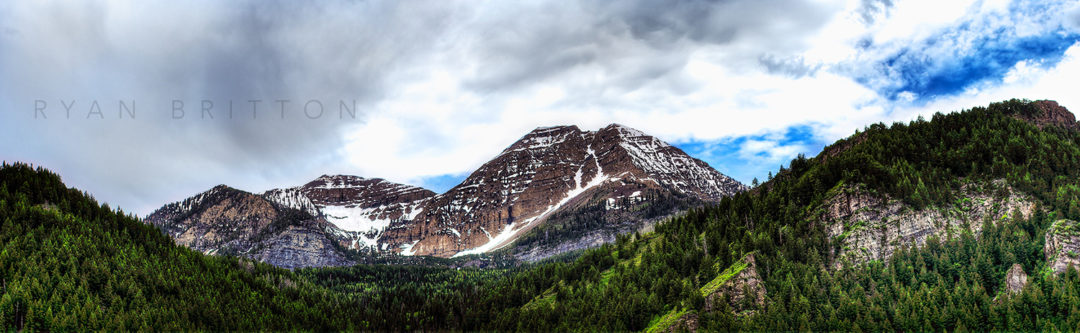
(941, 66)
(747, 157)
(443, 183)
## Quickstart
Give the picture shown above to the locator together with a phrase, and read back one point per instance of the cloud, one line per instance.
(1072, 18)
(151, 53)
(959, 45)
(442, 86)
(871, 10)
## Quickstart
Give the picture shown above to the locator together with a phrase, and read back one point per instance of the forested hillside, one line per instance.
(68, 263)
(761, 260)
(948, 283)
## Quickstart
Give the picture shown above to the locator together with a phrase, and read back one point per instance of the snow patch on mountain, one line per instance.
(508, 233)
(407, 249)
(512, 230)
(293, 198)
(355, 219)
(670, 167)
(188, 204)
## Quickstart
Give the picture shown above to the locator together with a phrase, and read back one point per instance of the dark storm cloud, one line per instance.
(870, 10)
(1072, 18)
(562, 37)
(791, 67)
(153, 53)
(661, 22)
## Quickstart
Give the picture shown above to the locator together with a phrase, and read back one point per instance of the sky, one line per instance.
(142, 103)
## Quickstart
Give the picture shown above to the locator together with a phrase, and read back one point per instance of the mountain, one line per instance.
(309, 225)
(555, 172)
(555, 190)
(225, 220)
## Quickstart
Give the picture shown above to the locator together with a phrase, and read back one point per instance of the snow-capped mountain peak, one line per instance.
(550, 170)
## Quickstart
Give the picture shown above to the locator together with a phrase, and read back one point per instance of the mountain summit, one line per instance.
(556, 189)
(555, 171)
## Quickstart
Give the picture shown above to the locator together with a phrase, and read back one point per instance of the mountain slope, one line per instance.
(553, 171)
(228, 221)
(68, 263)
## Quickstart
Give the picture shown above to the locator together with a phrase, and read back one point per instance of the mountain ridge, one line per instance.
(551, 171)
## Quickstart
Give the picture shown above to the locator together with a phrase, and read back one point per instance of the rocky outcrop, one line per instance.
(220, 220)
(586, 241)
(1049, 113)
(688, 322)
(741, 288)
(870, 226)
(300, 245)
(1015, 279)
(1062, 247)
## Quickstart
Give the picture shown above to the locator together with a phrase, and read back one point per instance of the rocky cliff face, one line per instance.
(743, 292)
(687, 323)
(224, 220)
(563, 188)
(216, 220)
(1015, 279)
(600, 214)
(1062, 247)
(738, 289)
(872, 227)
(304, 244)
